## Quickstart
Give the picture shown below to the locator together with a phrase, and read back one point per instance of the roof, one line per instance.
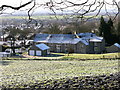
(96, 39)
(67, 38)
(30, 34)
(42, 46)
(4, 36)
(58, 38)
(1, 53)
(85, 42)
(116, 44)
(90, 36)
(86, 34)
(1, 43)
(29, 41)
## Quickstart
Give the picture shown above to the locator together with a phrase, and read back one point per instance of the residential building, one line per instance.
(74, 43)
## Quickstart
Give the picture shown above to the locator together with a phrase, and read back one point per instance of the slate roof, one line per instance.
(58, 38)
(67, 38)
(96, 39)
(116, 44)
(42, 46)
(86, 34)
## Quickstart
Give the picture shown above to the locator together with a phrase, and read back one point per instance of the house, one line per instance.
(62, 42)
(2, 49)
(113, 48)
(96, 44)
(2, 44)
(5, 37)
(75, 43)
(30, 36)
(5, 54)
(29, 42)
(38, 50)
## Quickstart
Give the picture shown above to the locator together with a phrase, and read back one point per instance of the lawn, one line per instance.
(94, 56)
(63, 56)
(29, 72)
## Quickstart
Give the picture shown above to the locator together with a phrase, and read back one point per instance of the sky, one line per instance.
(41, 9)
(17, 2)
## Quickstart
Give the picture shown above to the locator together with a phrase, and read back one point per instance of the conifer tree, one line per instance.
(102, 26)
(118, 32)
(106, 30)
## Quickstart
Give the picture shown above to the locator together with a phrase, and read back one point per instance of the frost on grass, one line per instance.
(27, 73)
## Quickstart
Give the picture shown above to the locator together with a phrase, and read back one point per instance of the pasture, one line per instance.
(23, 73)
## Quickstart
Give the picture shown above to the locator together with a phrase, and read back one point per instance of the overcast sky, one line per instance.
(18, 2)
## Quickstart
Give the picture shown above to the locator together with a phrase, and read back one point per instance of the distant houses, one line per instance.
(2, 44)
(5, 37)
(79, 43)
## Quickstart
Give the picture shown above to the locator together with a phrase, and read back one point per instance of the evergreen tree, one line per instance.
(118, 29)
(118, 32)
(102, 27)
(106, 30)
(113, 34)
(111, 27)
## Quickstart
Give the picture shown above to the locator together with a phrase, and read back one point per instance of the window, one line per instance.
(95, 44)
(38, 53)
(58, 47)
(32, 52)
(66, 47)
(82, 45)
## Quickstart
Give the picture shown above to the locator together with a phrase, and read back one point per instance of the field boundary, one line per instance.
(59, 59)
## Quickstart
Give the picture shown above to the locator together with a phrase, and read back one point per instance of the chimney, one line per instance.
(76, 35)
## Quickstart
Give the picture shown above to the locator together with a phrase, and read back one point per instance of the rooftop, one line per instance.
(116, 44)
(67, 38)
(42, 46)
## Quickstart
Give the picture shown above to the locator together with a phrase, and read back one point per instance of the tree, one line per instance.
(118, 32)
(107, 30)
(118, 28)
(79, 9)
(53, 29)
(104, 30)
(103, 26)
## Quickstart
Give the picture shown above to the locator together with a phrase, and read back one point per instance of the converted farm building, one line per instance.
(79, 43)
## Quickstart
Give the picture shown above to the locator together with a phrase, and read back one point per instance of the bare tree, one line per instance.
(83, 8)
(80, 8)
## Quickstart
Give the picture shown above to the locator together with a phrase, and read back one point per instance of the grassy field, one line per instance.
(29, 72)
(45, 17)
(35, 17)
(94, 56)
